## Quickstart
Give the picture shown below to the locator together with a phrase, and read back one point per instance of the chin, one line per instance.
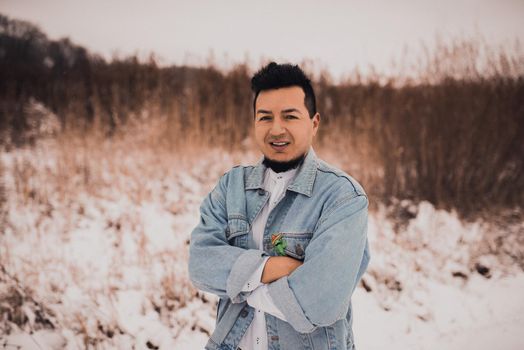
(279, 157)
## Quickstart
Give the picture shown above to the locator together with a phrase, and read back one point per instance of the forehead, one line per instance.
(291, 96)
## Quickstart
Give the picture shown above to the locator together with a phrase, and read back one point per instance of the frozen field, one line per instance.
(94, 249)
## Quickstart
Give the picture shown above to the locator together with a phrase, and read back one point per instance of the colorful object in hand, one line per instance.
(278, 243)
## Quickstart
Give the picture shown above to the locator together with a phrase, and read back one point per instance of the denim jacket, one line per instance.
(323, 219)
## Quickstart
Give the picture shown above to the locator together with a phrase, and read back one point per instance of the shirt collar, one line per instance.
(302, 183)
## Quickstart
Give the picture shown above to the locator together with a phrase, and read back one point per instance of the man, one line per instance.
(283, 243)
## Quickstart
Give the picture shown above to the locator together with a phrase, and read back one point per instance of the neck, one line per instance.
(279, 167)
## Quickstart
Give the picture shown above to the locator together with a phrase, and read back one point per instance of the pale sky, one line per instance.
(334, 35)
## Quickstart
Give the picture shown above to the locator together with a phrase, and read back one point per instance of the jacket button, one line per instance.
(261, 192)
(274, 337)
(244, 313)
(298, 249)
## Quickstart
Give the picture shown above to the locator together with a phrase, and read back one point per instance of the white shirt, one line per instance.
(255, 337)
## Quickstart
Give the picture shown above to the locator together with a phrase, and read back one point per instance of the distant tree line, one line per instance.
(80, 87)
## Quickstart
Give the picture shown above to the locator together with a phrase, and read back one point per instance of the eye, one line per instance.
(266, 117)
(290, 116)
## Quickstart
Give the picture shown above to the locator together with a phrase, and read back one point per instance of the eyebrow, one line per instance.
(289, 110)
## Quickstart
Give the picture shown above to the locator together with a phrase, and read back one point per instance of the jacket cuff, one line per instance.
(242, 269)
(285, 300)
(255, 280)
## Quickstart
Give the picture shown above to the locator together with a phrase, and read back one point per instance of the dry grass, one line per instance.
(447, 128)
(78, 182)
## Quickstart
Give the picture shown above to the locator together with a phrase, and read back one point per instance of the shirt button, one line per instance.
(261, 192)
(244, 313)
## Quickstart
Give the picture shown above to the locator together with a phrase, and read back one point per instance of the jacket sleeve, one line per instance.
(215, 266)
(318, 292)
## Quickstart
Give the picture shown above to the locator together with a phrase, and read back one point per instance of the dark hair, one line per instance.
(274, 76)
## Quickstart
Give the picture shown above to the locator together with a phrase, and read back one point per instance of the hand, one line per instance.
(277, 267)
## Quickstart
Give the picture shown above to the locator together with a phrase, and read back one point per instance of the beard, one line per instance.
(279, 167)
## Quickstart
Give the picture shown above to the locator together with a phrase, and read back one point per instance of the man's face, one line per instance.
(283, 129)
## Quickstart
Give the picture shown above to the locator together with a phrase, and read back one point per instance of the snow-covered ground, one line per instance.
(94, 248)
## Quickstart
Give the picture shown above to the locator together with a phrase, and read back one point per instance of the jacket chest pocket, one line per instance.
(296, 243)
(237, 231)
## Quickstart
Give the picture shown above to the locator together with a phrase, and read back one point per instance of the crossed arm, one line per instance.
(277, 267)
(330, 269)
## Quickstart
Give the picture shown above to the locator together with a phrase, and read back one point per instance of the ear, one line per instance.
(316, 121)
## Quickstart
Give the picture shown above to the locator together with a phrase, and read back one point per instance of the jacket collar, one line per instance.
(302, 183)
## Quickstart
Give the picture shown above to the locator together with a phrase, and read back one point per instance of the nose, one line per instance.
(276, 128)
